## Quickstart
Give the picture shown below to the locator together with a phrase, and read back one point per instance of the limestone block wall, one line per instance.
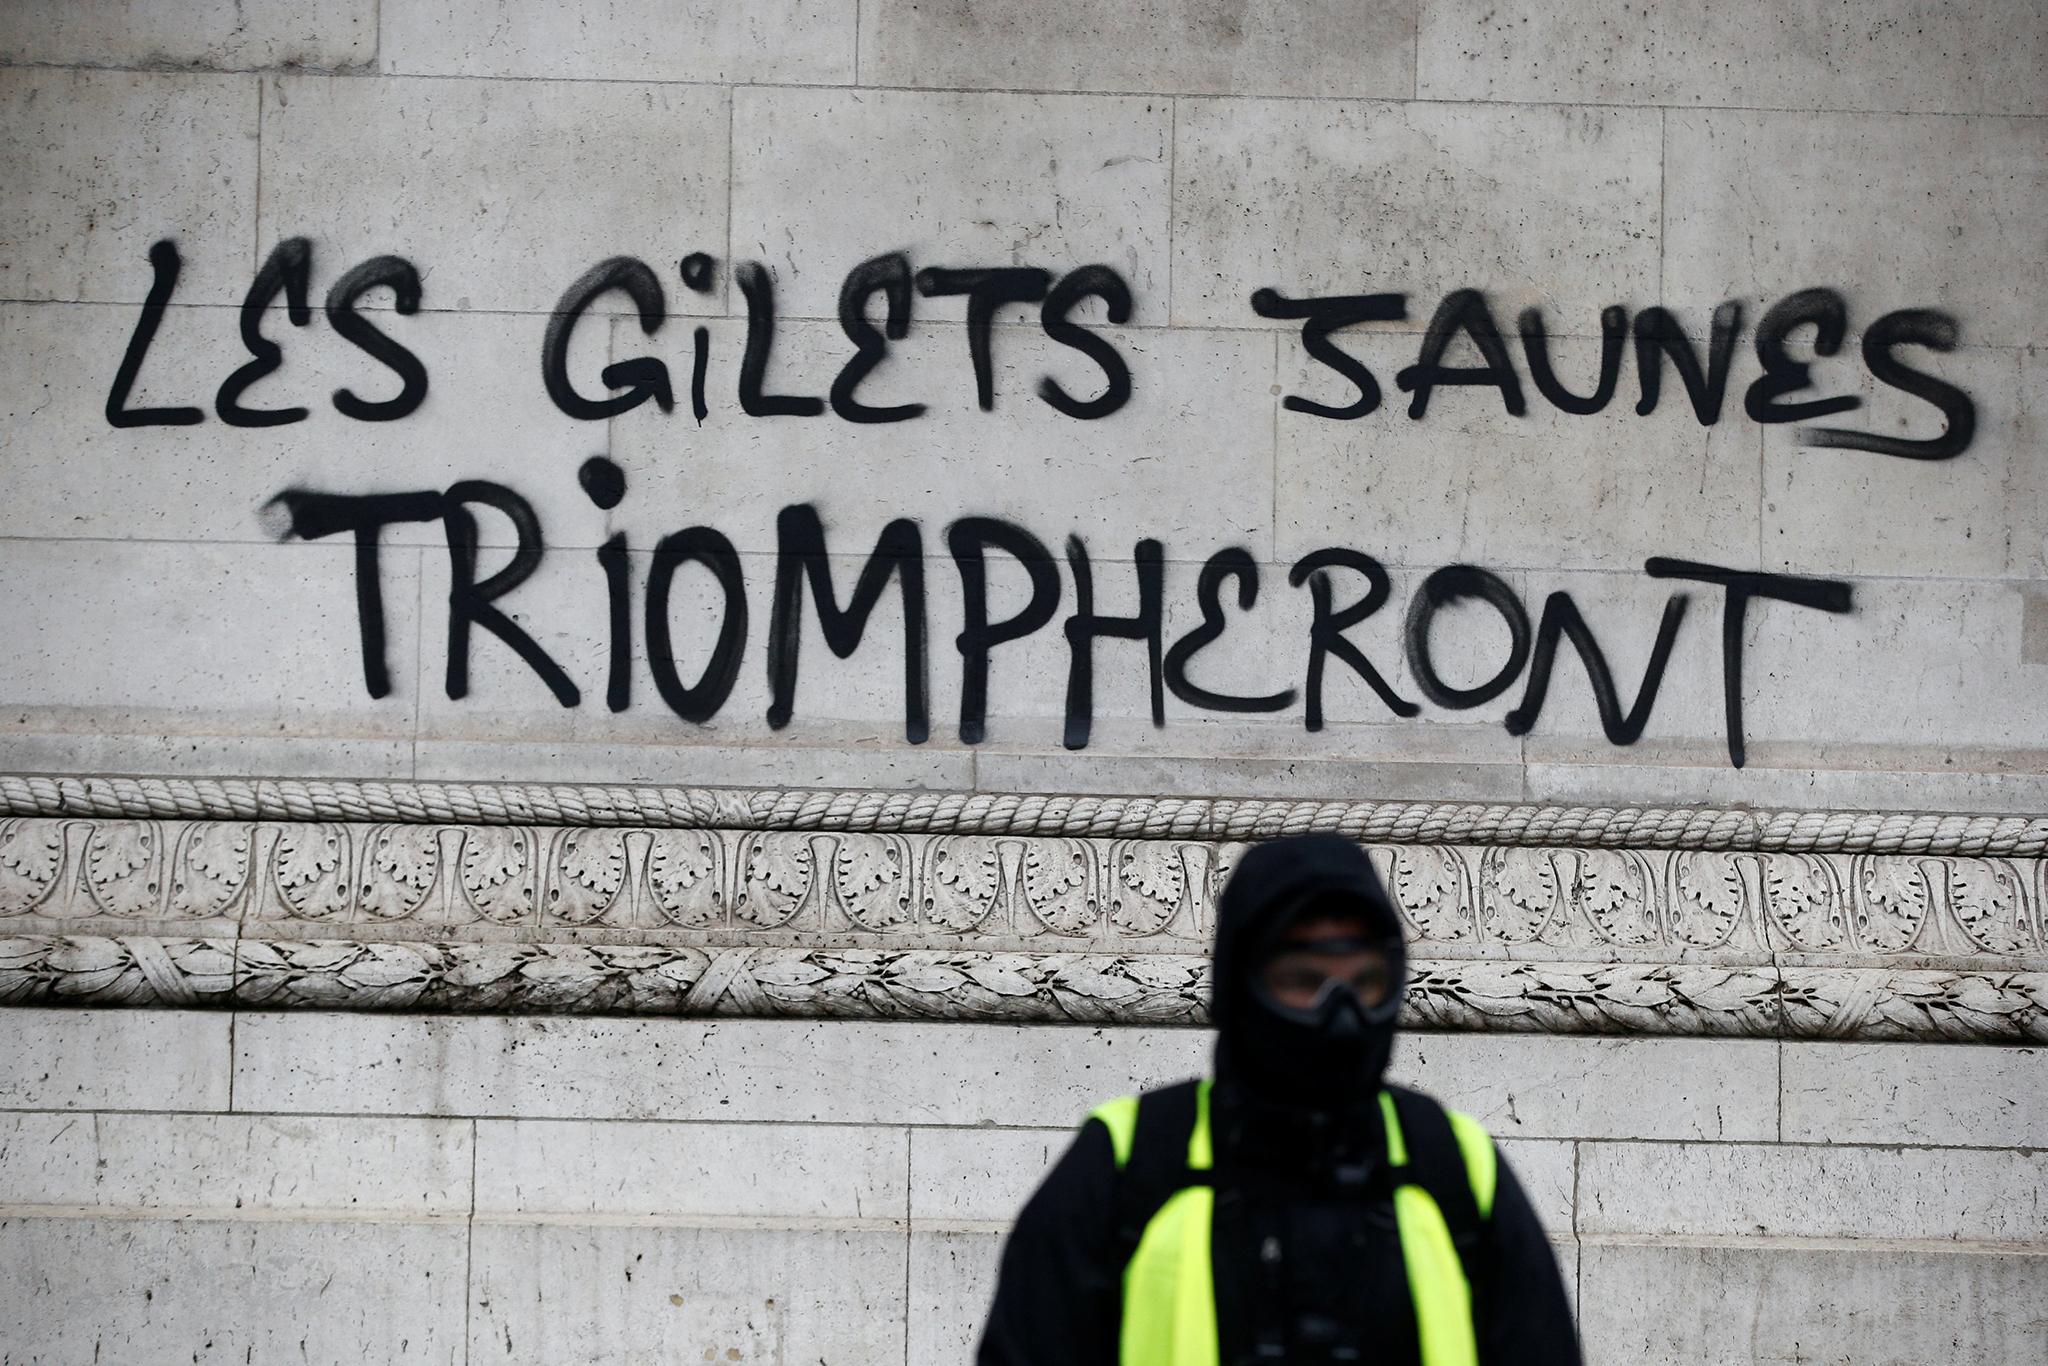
(264, 1186)
(1566, 158)
(493, 868)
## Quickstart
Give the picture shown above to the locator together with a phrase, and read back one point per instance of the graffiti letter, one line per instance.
(699, 702)
(1321, 317)
(1561, 617)
(889, 276)
(1085, 626)
(1658, 334)
(1234, 563)
(800, 554)
(1909, 327)
(163, 282)
(404, 283)
(289, 267)
(642, 378)
(1449, 585)
(1783, 374)
(1536, 346)
(471, 601)
(314, 515)
(759, 287)
(987, 289)
(1108, 286)
(1326, 630)
(969, 540)
(1466, 310)
(1826, 595)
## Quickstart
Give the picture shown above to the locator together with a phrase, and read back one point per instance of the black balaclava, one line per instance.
(1331, 1063)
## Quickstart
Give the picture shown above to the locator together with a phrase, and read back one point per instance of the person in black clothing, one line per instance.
(1294, 1209)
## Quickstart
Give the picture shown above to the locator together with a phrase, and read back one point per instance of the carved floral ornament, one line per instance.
(838, 923)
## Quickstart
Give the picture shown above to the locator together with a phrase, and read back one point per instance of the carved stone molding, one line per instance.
(1769, 1000)
(698, 920)
(1009, 813)
(734, 886)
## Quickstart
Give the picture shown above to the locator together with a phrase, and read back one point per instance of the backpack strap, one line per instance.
(1450, 1156)
(1160, 1148)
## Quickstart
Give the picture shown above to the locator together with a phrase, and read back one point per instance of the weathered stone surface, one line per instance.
(1191, 47)
(1893, 55)
(114, 1060)
(1796, 1191)
(1548, 1173)
(99, 165)
(1556, 206)
(622, 40)
(511, 189)
(571, 1293)
(1888, 1305)
(222, 1290)
(1872, 188)
(971, 1176)
(1545, 1087)
(80, 614)
(682, 1171)
(1950, 1095)
(785, 1071)
(230, 35)
(821, 183)
(179, 1164)
(952, 1280)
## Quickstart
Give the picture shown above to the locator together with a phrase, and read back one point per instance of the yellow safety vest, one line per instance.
(1169, 1316)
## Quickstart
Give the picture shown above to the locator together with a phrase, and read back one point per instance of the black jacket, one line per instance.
(1059, 1297)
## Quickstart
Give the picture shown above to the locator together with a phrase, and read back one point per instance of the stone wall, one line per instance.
(671, 966)
(1201, 152)
(352, 1187)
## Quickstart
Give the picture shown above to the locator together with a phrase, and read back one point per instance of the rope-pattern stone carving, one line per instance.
(1021, 814)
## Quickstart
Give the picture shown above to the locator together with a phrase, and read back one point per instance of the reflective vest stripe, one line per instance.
(1480, 1162)
(1169, 1315)
(1120, 1117)
(1169, 1293)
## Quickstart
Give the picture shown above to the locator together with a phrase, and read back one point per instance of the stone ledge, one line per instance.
(921, 812)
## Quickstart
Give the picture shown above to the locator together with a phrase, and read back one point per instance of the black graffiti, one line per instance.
(624, 385)
(1451, 584)
(164, 265)
(699, 701)
(289, 268)
(802, 562)
(1234, 563)
(1824, 595)
(801, 557)
(1660, 343)
(1320, 318)
(1326, 629)
(642, 379)
(379, 272)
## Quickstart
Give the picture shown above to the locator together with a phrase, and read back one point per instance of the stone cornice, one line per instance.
(1130, 817)
(836, 922)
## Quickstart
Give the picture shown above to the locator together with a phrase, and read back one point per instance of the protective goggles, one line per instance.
(1300, 977)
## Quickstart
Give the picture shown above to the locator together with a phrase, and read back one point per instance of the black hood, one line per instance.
(1338, 1062)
